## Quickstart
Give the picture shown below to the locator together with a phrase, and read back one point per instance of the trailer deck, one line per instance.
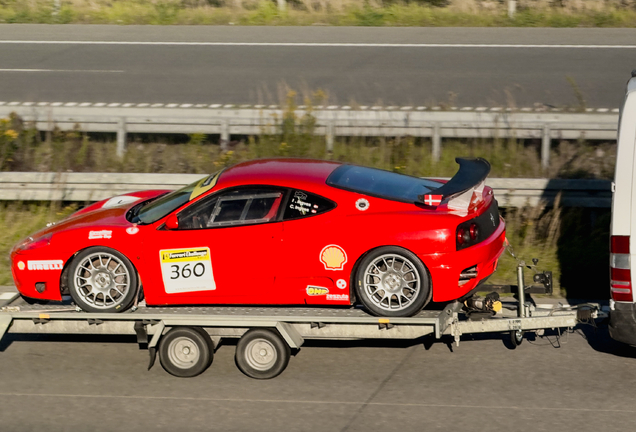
(267, 334)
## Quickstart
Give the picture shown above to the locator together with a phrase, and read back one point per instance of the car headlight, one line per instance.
(30, 243)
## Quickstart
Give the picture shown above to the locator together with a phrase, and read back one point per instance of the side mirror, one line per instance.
(172, 223)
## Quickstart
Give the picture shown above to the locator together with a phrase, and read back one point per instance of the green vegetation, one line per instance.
(429, 13)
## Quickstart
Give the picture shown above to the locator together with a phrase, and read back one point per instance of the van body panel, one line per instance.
(622, 325)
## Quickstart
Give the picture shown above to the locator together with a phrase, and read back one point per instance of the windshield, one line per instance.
(380, 183)
(157, 209)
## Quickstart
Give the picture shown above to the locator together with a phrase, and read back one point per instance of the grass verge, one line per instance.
(428, 13)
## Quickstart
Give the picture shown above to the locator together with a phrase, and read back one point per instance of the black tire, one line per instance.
(262, 354)
(516, 338)
(395, 272)
(186, 352)
(118, 276)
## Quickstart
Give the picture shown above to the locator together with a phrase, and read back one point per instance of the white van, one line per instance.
(623, 241)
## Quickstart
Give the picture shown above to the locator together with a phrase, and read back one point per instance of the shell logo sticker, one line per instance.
(132, 230)
(333, 257)
(21, 265)
(316, 290)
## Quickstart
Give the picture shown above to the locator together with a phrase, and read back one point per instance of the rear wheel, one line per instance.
(102, 280)
(186, 351)
(392, 282)
(262, 354)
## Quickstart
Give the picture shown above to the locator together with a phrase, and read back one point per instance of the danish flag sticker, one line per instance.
(432, 200)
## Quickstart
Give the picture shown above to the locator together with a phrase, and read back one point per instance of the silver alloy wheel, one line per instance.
(102, 280)
(391, 282)
(261, 354)
(183, 352)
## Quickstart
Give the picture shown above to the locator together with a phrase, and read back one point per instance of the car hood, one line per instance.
(110, 212)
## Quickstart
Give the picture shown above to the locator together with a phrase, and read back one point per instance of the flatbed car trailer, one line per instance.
(185, 337)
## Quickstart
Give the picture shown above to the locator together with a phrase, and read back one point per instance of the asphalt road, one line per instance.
(101, 384)
(227, 64)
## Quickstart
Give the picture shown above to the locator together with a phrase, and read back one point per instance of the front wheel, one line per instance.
(392, 282)
(102, 280)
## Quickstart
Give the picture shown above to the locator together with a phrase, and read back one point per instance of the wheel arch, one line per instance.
(64, 290)
(354, 272)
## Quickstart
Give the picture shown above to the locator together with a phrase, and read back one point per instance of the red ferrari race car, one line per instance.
(274, 232)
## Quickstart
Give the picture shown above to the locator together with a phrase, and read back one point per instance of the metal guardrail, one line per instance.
(519, 192)
(331, 121)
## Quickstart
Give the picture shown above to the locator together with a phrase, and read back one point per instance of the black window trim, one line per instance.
(288, 198)
(177, 212)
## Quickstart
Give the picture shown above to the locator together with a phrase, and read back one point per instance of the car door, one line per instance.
(224, 250)
(308, 229)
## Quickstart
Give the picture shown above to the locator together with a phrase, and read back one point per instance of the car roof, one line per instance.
(279, 171)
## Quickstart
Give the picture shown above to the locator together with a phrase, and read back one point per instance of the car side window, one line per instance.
(304, 204)
(238, 207)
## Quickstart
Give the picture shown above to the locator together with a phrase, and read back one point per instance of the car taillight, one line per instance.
(620, 268)
(463, 236)
(474, 231)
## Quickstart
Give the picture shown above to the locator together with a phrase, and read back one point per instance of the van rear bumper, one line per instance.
(622, 326)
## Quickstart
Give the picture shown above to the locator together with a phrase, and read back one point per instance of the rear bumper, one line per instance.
(446, 268)
(622, 326)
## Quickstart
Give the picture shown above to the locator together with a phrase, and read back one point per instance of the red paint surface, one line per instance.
(275, 262)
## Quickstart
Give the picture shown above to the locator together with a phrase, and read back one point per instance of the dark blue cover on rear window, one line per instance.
(380, 183)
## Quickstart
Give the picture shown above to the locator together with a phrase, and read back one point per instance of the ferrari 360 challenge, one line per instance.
(274, 232)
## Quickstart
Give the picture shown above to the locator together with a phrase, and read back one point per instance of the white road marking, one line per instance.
(7, 295)
(63, 70)
(316, 44)
(316, 402)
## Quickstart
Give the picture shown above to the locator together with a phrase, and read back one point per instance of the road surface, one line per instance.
(365, 66)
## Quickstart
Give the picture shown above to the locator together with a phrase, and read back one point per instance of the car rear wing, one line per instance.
(458, 192)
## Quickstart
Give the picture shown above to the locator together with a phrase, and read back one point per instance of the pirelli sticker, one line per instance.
(187, 270)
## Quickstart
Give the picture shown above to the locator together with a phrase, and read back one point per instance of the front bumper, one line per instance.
(622, 325)
(32, 268)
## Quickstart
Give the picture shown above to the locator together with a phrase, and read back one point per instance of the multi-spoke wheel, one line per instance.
(392, 281)
(102, 280)
(262, 354)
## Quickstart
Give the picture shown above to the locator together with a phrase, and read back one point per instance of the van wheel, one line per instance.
(262, 354)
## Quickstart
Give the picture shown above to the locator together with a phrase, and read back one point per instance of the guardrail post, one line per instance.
(545, 147)
(329, 135)
(282, 5)
(437, 142)
(225, 135)
(512, 8)
(121, 137)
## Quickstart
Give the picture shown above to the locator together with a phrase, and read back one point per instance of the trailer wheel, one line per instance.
(186, 351)
(516, 337)
(262, 354)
